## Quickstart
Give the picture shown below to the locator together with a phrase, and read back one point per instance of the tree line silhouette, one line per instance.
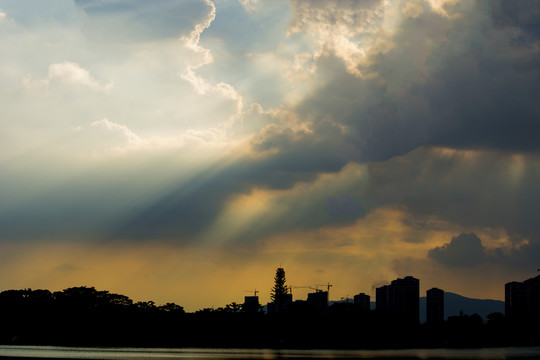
(84, 316)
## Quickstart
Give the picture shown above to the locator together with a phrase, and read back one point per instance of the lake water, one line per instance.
(53, 352)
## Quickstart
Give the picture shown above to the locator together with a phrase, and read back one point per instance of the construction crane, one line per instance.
(328, 286)
(255, 291)
(312, 287)
(298, 287)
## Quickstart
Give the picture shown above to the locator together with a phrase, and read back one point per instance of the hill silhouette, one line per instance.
(455, 304)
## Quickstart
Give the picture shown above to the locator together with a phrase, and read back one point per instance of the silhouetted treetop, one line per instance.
(280, 289)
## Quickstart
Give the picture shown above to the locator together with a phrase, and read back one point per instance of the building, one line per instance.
(362, 301)
(273, 307)
(407, 298)
(318, 301)
(522, 299)
(435, 306)
(251, 304)
(383, 298)
(401, 299)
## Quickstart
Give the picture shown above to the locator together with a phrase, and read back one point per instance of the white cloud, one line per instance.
(346, 29)
(104, 137)
(191, 40)
(122, 130)
(201, 85)
(249, 5)
(67, 73)
(73, 74)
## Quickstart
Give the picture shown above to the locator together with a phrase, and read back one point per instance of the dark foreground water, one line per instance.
(53, 352)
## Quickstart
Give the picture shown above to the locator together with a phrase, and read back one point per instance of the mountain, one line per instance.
(454, 304)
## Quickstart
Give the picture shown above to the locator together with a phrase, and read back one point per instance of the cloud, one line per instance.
(68, 267)
(221, 89)
(523, 16)
(200, 84)
(122, 131)
(356, 134)
(471, 189)
(342, 205)
(467, 187)
(73, 74)
(66, 73)
(472, 267)
(339, 27)
(438, 78)
(149, 96)
(462, 250)
(249, 5)
(139, 21)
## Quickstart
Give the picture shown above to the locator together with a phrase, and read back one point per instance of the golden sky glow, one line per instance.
(181, 152)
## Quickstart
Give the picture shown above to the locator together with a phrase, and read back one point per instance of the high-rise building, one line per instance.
(522, 299)
(383, 298)
(401, 298)
(251, 304)
(435, 306)
(318, 301)
(362, 301)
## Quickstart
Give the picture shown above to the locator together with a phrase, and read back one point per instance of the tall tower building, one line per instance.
(401, 298)
(522, 299)
(435, 306)
(362, 301)
(251, 304)
(383, 298)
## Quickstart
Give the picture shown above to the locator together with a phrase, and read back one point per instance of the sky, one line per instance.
(181, 151)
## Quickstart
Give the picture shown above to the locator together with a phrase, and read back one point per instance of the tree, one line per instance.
(233, 307)
(279, 291)
(172, 308)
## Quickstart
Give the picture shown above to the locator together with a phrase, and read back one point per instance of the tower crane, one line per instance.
(328, 286)
(298, 287)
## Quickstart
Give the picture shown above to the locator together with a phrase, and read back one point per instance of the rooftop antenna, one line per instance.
(254, 291)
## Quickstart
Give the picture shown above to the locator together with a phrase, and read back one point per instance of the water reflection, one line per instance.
(49, 352)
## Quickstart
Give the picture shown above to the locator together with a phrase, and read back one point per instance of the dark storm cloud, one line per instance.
(470, 188)
(462, 250)
(464, 82)
(487, 189)
(467, 250)
(343, 205)
(523, 15)
(301, 151)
